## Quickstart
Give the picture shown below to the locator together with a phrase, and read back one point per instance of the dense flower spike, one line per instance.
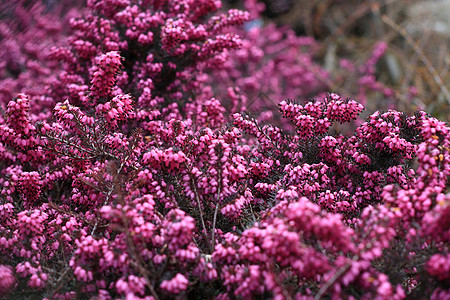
(137, 171)
(104, 75)
(175, 285)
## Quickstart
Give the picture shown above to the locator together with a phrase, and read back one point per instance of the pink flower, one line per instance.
(176, 285)
(7, 279)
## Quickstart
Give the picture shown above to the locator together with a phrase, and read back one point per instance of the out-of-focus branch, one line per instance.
(402, 32)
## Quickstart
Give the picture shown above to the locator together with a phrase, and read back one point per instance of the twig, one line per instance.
(360, 12)
(342, 270)
(402, 32)
(213, 241)
(111, 189)
(333, 279)
(194, 187)
(138, 263)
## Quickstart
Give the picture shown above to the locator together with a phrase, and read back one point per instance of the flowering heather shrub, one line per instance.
(139, 186)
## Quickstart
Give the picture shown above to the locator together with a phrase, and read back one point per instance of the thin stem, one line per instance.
(402, 32)
(335, 277)
(111, 189)
(214, 228)
(253, 214)
(342, 270)
(213, 238)
(66, 142)
(197, 198)
(138, 263)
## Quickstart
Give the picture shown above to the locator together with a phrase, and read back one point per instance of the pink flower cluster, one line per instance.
(18, 130)
(315, 118)
(104, 75)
